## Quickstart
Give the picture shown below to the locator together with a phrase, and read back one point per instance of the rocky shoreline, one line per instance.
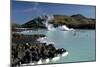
(25, 49)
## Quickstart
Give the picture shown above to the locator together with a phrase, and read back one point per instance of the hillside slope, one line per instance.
(77, 21)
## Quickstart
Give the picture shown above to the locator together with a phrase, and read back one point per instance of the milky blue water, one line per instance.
(80, 43)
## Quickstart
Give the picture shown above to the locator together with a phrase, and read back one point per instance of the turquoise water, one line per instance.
(80, 43)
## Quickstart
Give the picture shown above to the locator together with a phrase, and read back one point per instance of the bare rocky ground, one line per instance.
(25, 49)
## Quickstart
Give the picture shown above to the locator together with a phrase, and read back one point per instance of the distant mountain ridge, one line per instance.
(77, 21)
(78, 16)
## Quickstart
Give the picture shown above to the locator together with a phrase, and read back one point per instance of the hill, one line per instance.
(77, 21)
